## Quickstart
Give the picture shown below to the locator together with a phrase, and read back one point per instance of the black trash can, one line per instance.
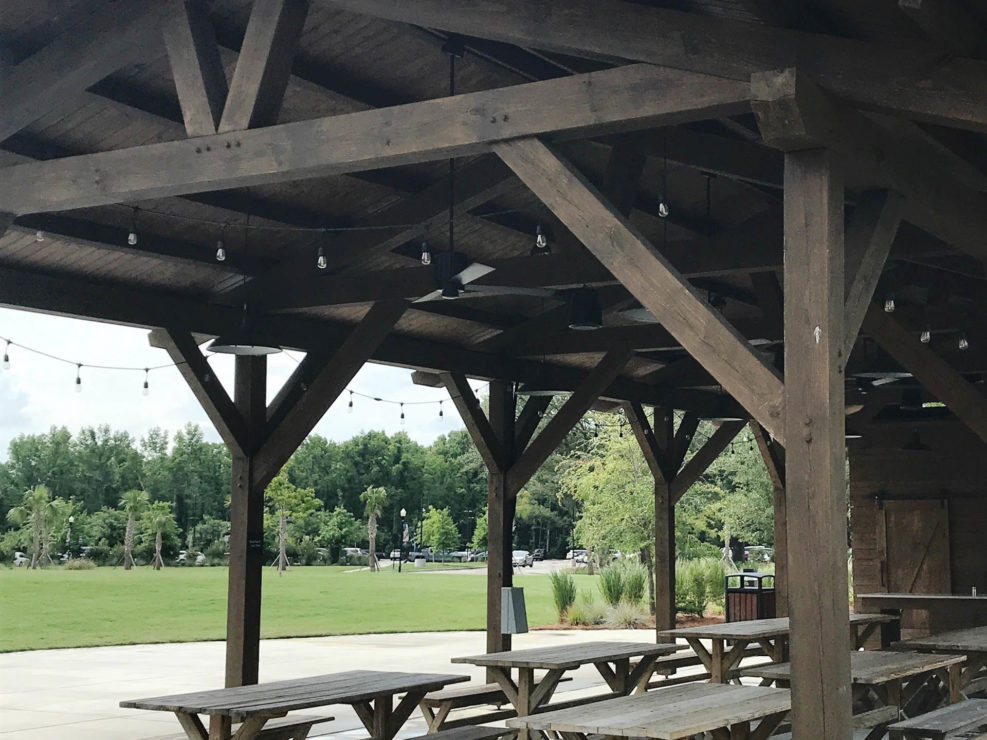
(750, 595)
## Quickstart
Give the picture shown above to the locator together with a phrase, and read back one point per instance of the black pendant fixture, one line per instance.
(585, 313)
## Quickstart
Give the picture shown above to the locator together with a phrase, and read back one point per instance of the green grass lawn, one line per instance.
(109, 606)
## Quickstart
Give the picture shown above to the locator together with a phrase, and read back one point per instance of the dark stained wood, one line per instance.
(500, 517)
(869, 235)
(948, 24)
(566, 418)
(636, 96)
(665, 611)
(935, 374)
(487, 442)
(704, 457)
(621, 248)
(683, 439)
(114, 34)
(243, 598)
(205, 386)
(774, 460)
(913, 81)
(814, 460)
(262, 71)
(528, 420)
(197, 68)
(654, 455)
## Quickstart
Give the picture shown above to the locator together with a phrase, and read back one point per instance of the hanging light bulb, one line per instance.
(39, 236)
(6, 356)
(926, 336)
(78, 378)
(963, 343)
(402, 414)
(541, 242)
(221, 246)
(146, 390)
(132, 236)
(349, 406)
(426, 253)
(663, 208)
(889, 306)
(440, 409)
(320, 260)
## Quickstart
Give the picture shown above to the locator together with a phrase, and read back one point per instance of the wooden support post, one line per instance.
(815, 462)
(246, 530)
(500, 514)
(774, 460)
(664, 558)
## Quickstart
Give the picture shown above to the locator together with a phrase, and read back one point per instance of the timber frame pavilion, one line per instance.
(820, 161)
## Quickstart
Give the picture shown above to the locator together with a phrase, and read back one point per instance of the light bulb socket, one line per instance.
(320, 260)
(426, 254)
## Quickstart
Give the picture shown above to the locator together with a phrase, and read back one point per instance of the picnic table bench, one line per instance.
(882, 682)
(965, 715)
(370, 693)
(969, 642)
(437, 705)
(674, 713)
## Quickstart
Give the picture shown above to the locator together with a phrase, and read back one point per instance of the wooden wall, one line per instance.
(951, 474)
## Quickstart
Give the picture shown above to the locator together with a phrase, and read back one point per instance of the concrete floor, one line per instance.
(73, 694)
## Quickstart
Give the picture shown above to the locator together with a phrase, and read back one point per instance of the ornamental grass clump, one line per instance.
(612, 584)
(635, 582)
(563, 592)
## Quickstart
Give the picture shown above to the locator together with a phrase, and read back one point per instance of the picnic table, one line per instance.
(971, 643)
(770, 634)
(370, 693)
(674, 713)
(883, 683)
(611, 659)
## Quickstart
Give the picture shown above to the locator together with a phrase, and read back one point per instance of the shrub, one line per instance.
(698, 583)
(345, 559)
(586, 613)
(563, 592)
(80, 564)
(626, 616)
(306, 553)
(635, 582)
(612, 584)
(216, 553)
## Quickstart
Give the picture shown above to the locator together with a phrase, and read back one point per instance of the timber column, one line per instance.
(501, 504)
(246, 529)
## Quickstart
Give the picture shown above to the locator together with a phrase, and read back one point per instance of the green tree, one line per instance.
(479, 541)
(374, 498)
(339, 528)
(158, 526)
(439, 529)
(134, 503)
(284, 501)
(38, 512)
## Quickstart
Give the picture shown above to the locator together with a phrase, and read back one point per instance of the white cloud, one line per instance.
(38, 392)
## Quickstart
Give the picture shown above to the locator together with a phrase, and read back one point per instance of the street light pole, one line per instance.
(68, 538)
(404, 513)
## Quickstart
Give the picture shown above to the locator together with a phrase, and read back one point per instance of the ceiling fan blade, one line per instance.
(434, 295)
(491, 290)
(472, 271)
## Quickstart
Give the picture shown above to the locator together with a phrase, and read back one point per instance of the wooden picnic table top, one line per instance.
(568, 657)
(911, 599)
(275, 698)
(665, 714)
(971, 640)
(760, 629)
(868, 666)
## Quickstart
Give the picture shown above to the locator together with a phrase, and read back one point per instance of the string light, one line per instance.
(78, 377)
(426, 253)
(221, 245)
(320, 261)
(146, 390)
(402, 414)
(349, 406)
(664, 210)
(963, 343)
(541, 242)
(889, 305)
(926, 336)
(132, 236)
(39, 236)
(440, 410)
(6, 356)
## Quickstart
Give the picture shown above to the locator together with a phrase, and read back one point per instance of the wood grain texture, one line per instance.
(197, 68)
(869, 666)
(568, 657)
(484, 437)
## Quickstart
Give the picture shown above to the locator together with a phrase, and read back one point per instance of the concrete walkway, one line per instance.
(73, 694)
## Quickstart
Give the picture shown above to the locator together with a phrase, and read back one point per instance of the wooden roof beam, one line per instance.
(911, 81)
(112, 36)
(636, 96)
(699, 328)
(948, 24)
(699, 463)
(477, 424)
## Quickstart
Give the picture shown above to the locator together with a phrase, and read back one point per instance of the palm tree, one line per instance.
(374, 498)
(40, 511)
(134, 503)
(159, 521)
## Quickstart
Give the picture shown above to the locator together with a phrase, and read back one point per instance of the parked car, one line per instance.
(477, 556)
(538, 554)
(575, 554)
(521, 558)
(459, 556)
(759, 554)
(21, 560)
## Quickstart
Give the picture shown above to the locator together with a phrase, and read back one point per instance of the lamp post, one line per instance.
(68, 538)
(404, 513)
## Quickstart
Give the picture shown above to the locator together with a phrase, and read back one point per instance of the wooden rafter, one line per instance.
(680, 443)
(528, 421)
(114, 35)
(915, 82)
(948, 24)
(487, 443)
(699, 328)
(636, 96)
(699, 463)
(654, 453)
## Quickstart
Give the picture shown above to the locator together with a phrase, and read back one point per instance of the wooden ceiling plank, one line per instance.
(538, 451)
(704, 457)
(912, 81)
(794, 113)
(196, 66)
(965, 400)
(868, 239)
(700, 329)
(264, 66)
(115, 34)
(636, 96)
(948, 24)
(482, 433)
(205, 386)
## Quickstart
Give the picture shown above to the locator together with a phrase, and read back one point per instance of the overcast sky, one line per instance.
(38, 392)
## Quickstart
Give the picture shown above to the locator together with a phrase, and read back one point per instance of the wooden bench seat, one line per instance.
(960, 717)
(668, 665)
(470, 732)
(292, 727)
(437, 705)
